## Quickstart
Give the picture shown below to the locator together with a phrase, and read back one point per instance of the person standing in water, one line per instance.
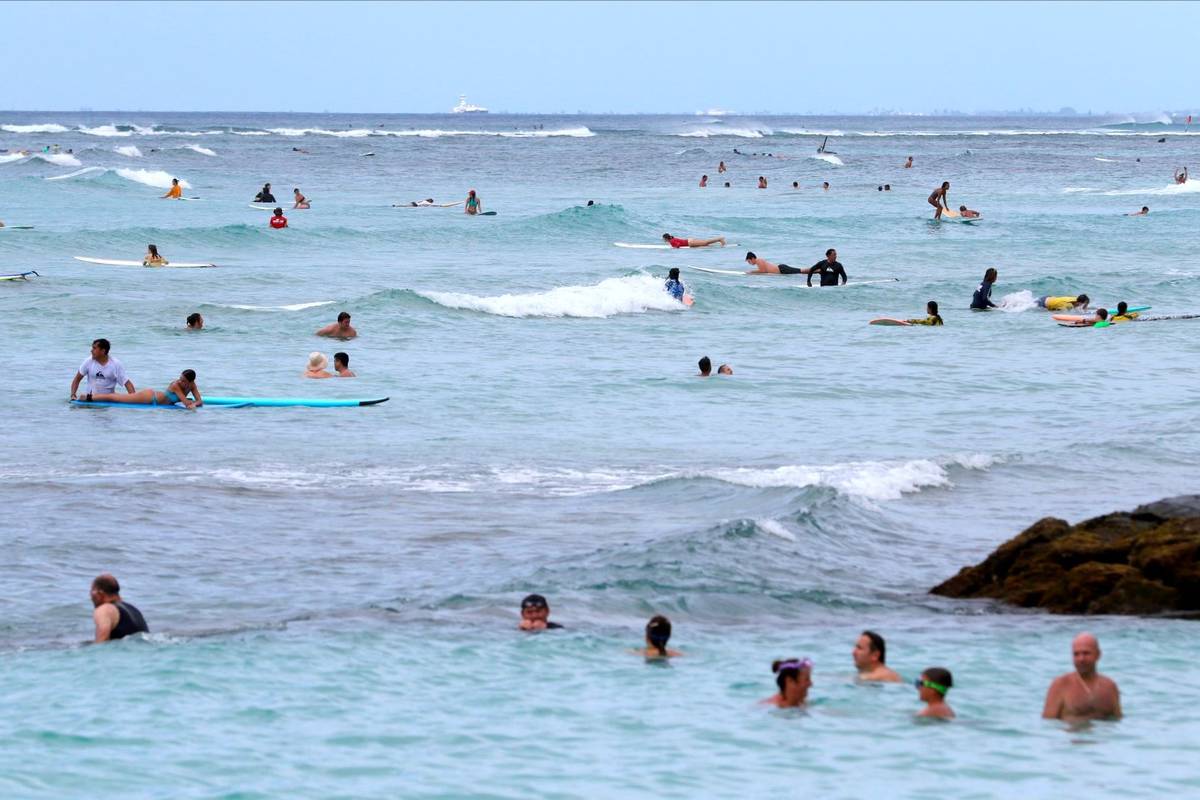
(870, 659)
(982, 299)
(152, 258)
(341, 366)
(938, 199)
(703, 181)
(113, 617)
(675, 287)
(721, 168)
(677, 242)
(830, 270)
(932, 687)
(793, 676)
(278, 220)
(473, 204)
(762, 182)
(175, 192)
(1084, 693)
(908, 164)
(1181, 175)
(300, 200)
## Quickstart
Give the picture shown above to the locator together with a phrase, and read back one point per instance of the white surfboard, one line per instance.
(435, 205)
(120, 262)
(634, 246)
(266, 206)
(719, 271)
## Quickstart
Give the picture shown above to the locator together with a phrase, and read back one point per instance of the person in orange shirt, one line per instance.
(175, 192)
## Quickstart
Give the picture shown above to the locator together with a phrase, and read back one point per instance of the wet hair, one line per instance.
(1102, 313)
(724, 369)
(279, 212)
(830, 252)
(750, 255)
(343, 316)
(887, 187)
(789, 668)
(1145, 208)
(705, 177)
(990, 275)
(673, 274)
(266, 186)
(174, 180)
(726, 184)
(534, 601)
(658, 633)
(1083, 298)
(666, 237)
(1122, 307)
(193, 318)
(106, 583)
(825, 184)
(102, 344)
(795, 184)
(939, 675)
(153, 248)
(705, 364)
(294, 191)
(342, 357)
(879, 188)
(945, 184)
(878, 645)
(190, 374)
(962, 208)
(932, 308)
(591, 202)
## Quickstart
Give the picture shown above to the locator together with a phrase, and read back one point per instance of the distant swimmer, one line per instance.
(113, 617)
(938, 199)
(703, 181)
(870, 659)
(658, 633)
(535, 614)
(317, 363)
(982, 299)
(932, 316)
(103, 372)
(721, 168)
(968, 213)
(473, 205)
(705, 364)
(1084, 693)
(793, 676)
(1068, 303)
(795, 184)
(341, 366)
(152, 258)
(342, 329)
(676, 289)
(265, 195)
(195, 322)
(677, 242)
(724, 369)
(764, 267)
(590, 203)
(176, 392)
(1123, 313)
(932, 687)
(1145, 210)
(887, 187)
(825, 186)
(1181, 175)
(762, 182)
(726, 184)
(830, 270)
(278, 220)
(296, 150)
(908, 164)
(175, 192)
(301, 200)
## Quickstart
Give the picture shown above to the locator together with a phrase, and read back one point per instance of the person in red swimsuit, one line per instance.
(279, 220)
(676, 242)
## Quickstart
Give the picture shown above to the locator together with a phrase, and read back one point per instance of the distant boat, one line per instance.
(464, 107)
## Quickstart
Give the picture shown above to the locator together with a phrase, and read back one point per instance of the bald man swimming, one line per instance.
(1084, 693)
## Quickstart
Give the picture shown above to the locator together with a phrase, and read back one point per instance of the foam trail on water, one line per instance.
(829, 158)
(1018, 301)
(1192, 186)
(128, 150)
(629, 295)
(204, 151)
(293, 307)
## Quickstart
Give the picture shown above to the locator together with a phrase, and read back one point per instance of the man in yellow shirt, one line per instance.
(175, 192)
(1051, 303)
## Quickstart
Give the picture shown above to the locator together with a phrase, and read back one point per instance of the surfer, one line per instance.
(968, 213)
(341, 366)
(908, 164)
(938, 199)
(721, 168)
(278, 220)
(825, 186)
(1181, 175)
(317, 363)
(658, 633)
(535, 614)
(764, 267)
(175, 192)
(1068, 303)
(1123, 313)
(932, 687)
(870, 659)
(1084, 693)
(982, 299)
(301, 200)
(114, 618)
(104, 373)
(152, 258)
(265, 195)
(678, 243)
(176, 392)
(762, 182)
(473, 205)
(793, 676)
(195, 322)
(703, 181)
(933, 318)
(674, 286)
(1145, 210)
(342, 329)
(830, 270)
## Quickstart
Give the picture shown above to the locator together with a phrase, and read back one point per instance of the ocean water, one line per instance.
(333, 592)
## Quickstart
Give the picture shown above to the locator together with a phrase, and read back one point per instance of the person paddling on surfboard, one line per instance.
(177, 392)
(764, 267)
(1145, 210)
(1123, 313)
(908, 164)
(175, 192)
(677, 242)
(938, 199)
(152, 258)
(1068, 303)
(473, 204)
(830, 270)
(968, 213)
(933, 318)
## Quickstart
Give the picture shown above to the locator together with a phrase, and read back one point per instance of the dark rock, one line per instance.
(1144, 562)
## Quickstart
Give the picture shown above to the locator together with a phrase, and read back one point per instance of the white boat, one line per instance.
(464, 107)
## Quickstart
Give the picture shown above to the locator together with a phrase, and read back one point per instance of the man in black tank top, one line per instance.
(114, 618)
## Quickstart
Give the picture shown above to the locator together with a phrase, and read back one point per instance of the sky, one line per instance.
(598, 57)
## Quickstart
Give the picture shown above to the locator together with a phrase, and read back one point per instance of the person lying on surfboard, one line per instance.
(764, 267)
(968, 213)
(676, 242)
(177, 392)
(931, 308)
(1145, 210)
(1123, 313)
(1068, 303)
(152, 258)
(938, 199)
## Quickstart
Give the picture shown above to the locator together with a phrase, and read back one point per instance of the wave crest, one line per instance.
(633, 294)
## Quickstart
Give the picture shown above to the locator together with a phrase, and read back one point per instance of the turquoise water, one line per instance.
(333, 592)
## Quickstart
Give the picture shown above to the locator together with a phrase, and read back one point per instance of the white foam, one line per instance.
(1076, 189)
(774, 528)
(129, 150)
(1106, 160)
(1017, 302)
(293, 307)
(204, 151)
(151, 177)
(105, 130)
(1192, 186)
(580, 132)
(77, 173)
(8, 158)
(742, 133)
(830, 158)
(45, 127)
(633, 294)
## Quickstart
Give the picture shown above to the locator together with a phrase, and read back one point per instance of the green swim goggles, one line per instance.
(937, 687)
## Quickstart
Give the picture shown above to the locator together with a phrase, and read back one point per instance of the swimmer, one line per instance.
(591, 203)
(762, 182)
(726, 184)
(705, 364)
(703, 181)
(1123, 313)
(724, 369)
(887, 187)
(341, 366)
(879, 188)
(1051, 303)
(658, 633)
(825, 186)
(342, 329)
(113, 617)
(535, 614)
(299, 150)
(265, 196)
(676, 288)
(1101, 319)
(195, 322)
(938, 199)
(830, 270)
(908, 164)
(932, 687)
(317, 363)
(176, 392)
(1084, 693)
(795, 184)
(175, 192)
(932, 318)
(721, 168)
(982, 299)
(764, 267)
(1145, 210)
(793, 676)
(301, 200)
(472, 205)
(677, 243)
(870, 657)
(278, 220)
(968, 213)
(1181, 175)
(152, 258)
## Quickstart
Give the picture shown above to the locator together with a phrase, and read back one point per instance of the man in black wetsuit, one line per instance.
(829, 270)
(265, 195)
(114, 618)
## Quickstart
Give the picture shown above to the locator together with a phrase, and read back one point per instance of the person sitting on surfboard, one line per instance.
(982, 299)
(938, 199)
(265, 195)
(473, 205)
(677, 242)
(1064, 303)
(1145, 210)
(931, 308)
(342, 329)
(152, 258)
(908, 164)
(764, 267)
(278, 220)
(175, 192)
(1181, 175)
(830, 270)
(968, 213)
(177, 392)
(301, 200)
(676, 288)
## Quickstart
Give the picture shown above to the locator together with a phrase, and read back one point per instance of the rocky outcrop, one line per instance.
(1144, 562)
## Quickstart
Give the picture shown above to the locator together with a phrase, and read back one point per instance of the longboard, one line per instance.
(283, 402)
(635, 246)
(890, 321)
(119, 262)
(1111, 312)
(19, 276)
